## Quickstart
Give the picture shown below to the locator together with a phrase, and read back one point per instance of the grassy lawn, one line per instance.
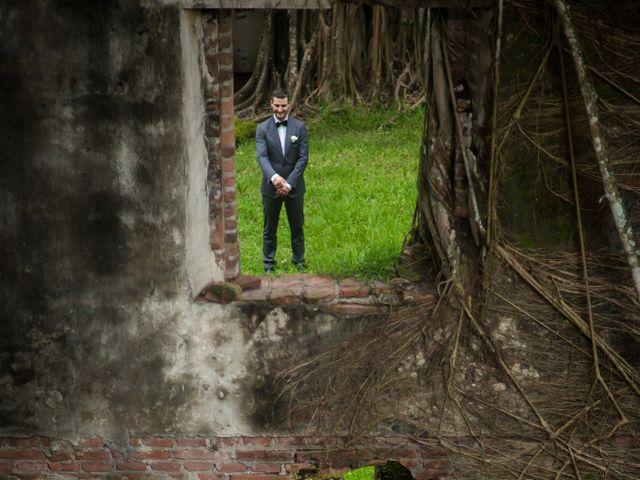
(361, 193)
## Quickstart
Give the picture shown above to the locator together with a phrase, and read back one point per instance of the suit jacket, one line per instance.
(289, 165)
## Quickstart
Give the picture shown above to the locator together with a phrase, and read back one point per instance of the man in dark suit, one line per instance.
(283, 153)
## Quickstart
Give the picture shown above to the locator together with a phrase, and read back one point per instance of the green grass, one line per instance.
(361, 193)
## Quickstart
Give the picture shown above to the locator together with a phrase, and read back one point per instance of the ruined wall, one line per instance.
(117, 191)
(206, 458)
(106, 187)
(100, 238)
(93, 210)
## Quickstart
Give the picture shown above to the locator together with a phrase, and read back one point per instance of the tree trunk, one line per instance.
(292, 64)
(590, 97)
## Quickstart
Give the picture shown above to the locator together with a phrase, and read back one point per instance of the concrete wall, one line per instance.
(94, 281)
(104, 237)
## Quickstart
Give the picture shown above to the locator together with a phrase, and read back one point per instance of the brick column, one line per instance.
(220, 140)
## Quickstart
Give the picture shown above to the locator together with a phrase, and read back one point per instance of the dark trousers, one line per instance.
(295, 214)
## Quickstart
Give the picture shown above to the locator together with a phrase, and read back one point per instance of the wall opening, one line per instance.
(346, 297)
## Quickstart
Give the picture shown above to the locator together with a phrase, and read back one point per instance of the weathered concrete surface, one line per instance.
(92, 183)
(103, 237)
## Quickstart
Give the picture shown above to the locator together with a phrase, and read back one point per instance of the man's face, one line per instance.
(280, 106)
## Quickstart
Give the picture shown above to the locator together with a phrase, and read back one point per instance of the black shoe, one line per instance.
(269, 269)
(301, 267)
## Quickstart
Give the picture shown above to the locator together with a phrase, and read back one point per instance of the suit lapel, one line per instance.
(275, 138)
(287, 138)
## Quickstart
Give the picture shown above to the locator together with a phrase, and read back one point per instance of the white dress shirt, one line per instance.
(282, 133)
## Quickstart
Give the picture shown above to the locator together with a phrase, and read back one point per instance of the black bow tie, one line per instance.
(281, 124)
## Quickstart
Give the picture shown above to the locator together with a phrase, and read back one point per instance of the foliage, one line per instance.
(245, 130)
(360, 193)
(364, 473)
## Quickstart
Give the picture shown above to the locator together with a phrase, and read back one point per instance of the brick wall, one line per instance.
(207, 458)
(220, 140)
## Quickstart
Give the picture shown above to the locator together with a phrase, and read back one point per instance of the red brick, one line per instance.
(230, 223)
(431, 475)
(225, 42)
(229, 211)
(334, 471)
(23, 454)
(232, 249)
(219, 456)
(255, 477)
(231, 467)
(92, 442)
(6, 467)
(191, 442)
(45, 441)
(135, 442)
(198, 466)
(294, 467)
(153, 455)
(410, 463)
(165, 466)
(265, 455)
(216, 236)
(97, 467)
(229, 182)
(247, 282)
(210, 476)
(286, 291)
(31, 467)
(225, 74)
(229, 441)
(442, 464)
(119, 456)
(136, 476)
(266, 467)
(94, 456)
(230, 266)
(64, 467)
(228, 154)
(194, 454)
(21, 441)
(228, 137)
(229, 196)
(257, 295)
(226, 119)
(225, 58)
(158, 442)
(264, 441)
(61, 457)
(136, 466)
(319, 289)
(227, 92)
(294, 441)
(352, 288)
(420, 297)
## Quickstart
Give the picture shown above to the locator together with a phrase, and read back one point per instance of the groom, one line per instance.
(283, 152)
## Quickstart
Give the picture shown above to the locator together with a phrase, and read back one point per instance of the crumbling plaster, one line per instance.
(103, 239)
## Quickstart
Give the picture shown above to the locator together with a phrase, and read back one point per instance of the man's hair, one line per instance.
(280, 93)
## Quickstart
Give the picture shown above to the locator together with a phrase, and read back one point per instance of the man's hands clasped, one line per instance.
(281, 186)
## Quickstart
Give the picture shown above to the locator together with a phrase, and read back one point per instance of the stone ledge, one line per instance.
(347, 297)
